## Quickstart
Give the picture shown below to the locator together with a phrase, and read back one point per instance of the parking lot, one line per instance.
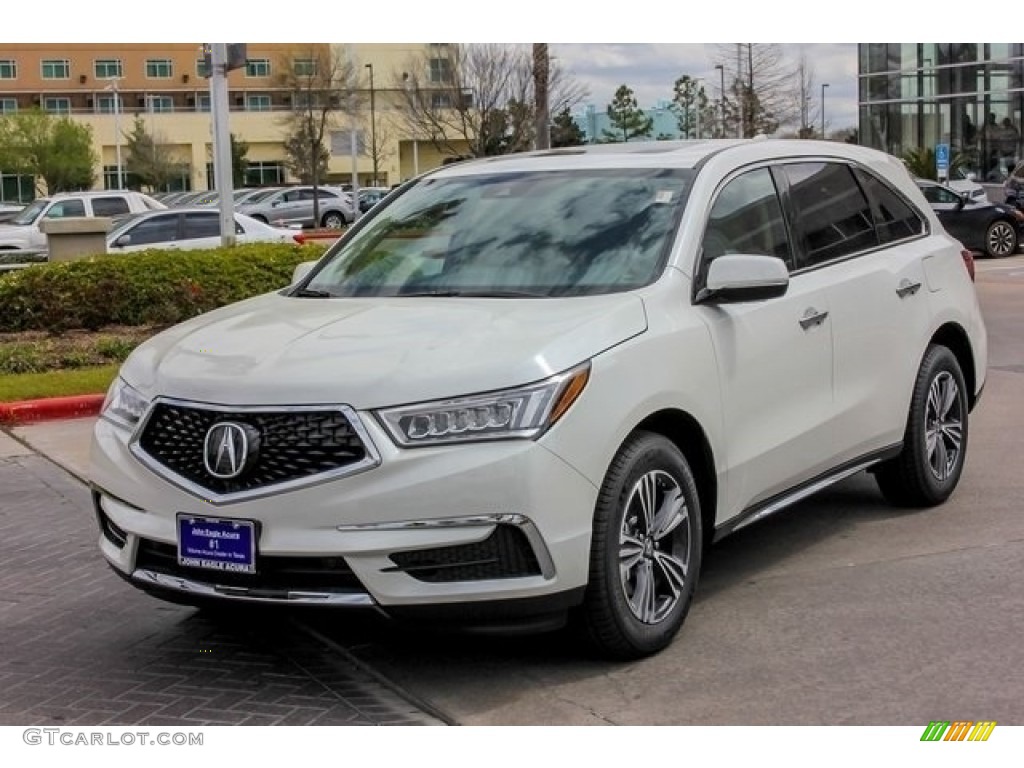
(841, 610)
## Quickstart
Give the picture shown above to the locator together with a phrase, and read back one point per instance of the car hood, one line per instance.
(370, 353)
(15, 233)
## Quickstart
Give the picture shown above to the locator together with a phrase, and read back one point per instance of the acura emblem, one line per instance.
(229, 449)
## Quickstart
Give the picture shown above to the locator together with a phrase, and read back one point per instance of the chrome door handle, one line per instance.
(812, 317)
(907, 288)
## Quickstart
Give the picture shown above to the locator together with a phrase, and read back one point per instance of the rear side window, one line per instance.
(109, 206)
(198, 225)
(158, 229)
(66, 208)
(895, 218)
(831, 213)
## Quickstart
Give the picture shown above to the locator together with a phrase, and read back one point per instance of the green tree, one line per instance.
(305, 153)
(149, 159)
(626, 117)
(921, 162)
(565, 132)
(239, 161)
(58, 150)
(691, 106)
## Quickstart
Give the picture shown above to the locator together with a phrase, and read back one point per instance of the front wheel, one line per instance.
(332, 220)
(935, 441)
(645, 550)
(1001, 239)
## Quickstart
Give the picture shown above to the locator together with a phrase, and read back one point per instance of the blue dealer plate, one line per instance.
(217, 544)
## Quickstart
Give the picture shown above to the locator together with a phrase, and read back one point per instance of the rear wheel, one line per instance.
(1001, 239)
(935, 441)
(332, 220)
(645, 550)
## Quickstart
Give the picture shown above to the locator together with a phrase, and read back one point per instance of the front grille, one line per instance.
(292, 444)
(505, 554)
(273, 573)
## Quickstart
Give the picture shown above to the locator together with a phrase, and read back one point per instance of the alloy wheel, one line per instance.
(943, 425)
(1002, 240)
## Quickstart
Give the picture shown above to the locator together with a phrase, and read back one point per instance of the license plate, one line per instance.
(217, 544)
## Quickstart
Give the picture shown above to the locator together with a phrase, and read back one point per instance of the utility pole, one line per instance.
(222, 141)
(373, 128)
(541, 71)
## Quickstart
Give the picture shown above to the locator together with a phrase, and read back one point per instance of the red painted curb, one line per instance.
(48, 408)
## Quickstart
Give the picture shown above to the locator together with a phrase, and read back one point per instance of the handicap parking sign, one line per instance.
(942, 160)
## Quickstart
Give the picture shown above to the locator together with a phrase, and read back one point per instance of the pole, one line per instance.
(113, 88)
(823, 87)
(741, 127)
(541, 67)
(696, 100)
(373, 127)
(222, 141)
(354, 149)
(721, 102)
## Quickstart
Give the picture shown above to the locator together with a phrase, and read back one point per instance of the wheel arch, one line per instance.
(689, 437)
(952, 336)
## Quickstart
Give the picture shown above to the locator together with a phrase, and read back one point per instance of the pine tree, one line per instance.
(626, 117)
(565, 132)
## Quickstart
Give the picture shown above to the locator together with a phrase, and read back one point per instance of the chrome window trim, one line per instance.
(370, 461)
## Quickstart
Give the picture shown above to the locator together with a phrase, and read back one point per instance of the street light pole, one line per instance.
(721, 99)
(373, 127)
(823, 87)
(113, 87)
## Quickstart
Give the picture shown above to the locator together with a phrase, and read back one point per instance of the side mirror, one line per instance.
(737, 277)
(123, 240)
(275, 204)
(301, 270)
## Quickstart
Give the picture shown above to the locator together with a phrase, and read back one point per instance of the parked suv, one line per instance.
(543, 384)
(22, 232)
(294, 206)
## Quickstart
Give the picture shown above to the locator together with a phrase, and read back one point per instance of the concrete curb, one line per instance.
(49, 408)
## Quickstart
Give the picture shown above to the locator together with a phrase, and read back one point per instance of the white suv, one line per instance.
(543, 384)
(22, 232)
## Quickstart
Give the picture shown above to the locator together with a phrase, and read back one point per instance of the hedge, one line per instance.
(146, 288)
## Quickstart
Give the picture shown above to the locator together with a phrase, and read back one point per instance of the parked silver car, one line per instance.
(294, 206)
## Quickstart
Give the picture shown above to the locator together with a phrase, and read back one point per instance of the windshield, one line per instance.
(31, 212)
(544, 233)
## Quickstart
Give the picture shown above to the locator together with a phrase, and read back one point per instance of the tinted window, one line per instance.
(109, 206)
(747, 218)
(895, 219)
(933, 193)
(158, 229)
(199, 225)
(832, 216)
(66, 208)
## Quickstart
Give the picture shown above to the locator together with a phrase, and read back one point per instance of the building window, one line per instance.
(108, 68)
(201, 70)
(105, 104)
(8, 106)
(15, 188)
(260, 173)
(440, 70)
(159, 104)
(57, 105)
(257, 68)
(304, 67)
(159, 68)
(56, 69)
(440, 101)
(8, 69)
(257, 102)
(203, 102)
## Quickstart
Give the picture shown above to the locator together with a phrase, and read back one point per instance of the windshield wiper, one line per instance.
(312, 293)
(478, 294)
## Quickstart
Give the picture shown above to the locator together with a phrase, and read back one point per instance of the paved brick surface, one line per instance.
(80, 647)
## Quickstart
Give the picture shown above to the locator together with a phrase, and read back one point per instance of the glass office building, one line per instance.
(967, 95)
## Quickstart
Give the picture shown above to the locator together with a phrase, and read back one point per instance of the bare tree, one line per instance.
(322, 81)
(478, 99)
(807, 104)
(760, 95)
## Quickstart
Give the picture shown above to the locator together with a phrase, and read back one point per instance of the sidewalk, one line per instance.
(63, 441)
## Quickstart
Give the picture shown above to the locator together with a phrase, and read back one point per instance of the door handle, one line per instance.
(907, 288)
(812, 317)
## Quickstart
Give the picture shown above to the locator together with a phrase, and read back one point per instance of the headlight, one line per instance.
(524, 412)
(124, 406)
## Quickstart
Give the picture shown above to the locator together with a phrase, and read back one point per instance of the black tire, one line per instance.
(619, 622)
(935, 441)
(1001, 239)
(332, 220)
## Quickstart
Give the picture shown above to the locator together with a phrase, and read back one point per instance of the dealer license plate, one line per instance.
(217, 544)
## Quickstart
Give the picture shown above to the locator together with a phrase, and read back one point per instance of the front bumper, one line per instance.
(505, 522)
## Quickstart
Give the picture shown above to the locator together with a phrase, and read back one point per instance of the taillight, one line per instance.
(968, 258)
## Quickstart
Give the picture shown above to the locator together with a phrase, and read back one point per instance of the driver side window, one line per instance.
(747, 218)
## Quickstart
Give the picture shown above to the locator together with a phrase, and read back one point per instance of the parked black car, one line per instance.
(991, 228)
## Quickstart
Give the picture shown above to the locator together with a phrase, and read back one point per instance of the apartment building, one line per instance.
(107, 86)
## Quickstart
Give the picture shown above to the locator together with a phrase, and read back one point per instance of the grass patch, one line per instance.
(38, 352)
(80, 381)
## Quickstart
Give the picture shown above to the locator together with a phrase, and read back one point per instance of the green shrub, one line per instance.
(147, 288)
